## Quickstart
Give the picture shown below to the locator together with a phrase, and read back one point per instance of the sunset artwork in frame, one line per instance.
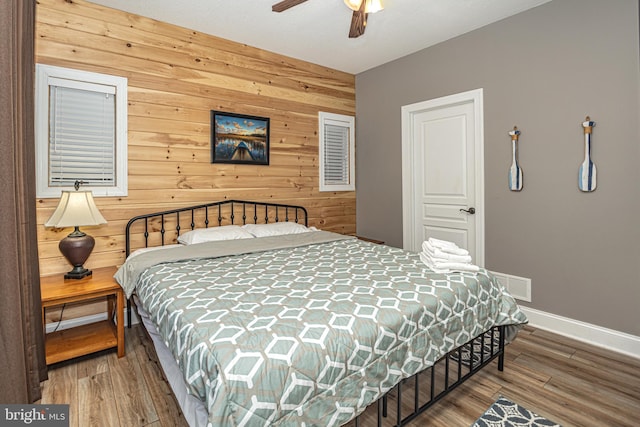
(239, 139)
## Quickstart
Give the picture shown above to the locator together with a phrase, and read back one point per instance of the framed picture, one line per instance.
(239, 139)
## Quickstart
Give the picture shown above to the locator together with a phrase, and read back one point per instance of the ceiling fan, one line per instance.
(361, 8)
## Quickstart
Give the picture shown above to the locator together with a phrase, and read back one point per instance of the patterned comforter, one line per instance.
(313, 333)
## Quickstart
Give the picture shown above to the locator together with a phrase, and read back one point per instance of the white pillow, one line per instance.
(226, 232)
(152, 248)
(276, 229)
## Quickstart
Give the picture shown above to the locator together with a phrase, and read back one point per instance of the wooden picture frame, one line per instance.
(239, 138)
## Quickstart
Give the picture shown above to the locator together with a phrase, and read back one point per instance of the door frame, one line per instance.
(408, 203)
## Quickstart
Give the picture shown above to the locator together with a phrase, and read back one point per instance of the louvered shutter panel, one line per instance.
(337, 152)
(336, 155)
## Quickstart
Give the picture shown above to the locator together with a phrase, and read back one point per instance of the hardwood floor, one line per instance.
(569, 382)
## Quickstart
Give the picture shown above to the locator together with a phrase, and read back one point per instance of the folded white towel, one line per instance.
(441, 243)
(439, 254)
(445, 246)
(427, 261)
(446, 267)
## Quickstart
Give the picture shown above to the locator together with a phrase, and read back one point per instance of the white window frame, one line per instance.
(45, 76)
(343, 121)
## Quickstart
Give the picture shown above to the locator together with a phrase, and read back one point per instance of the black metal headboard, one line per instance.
(154, 226)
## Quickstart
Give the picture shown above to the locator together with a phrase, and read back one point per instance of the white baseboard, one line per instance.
(79, 321)
(595, 335)
(592, 334)
(72, 323)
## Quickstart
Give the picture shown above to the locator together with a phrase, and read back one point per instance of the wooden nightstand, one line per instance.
(85, 339)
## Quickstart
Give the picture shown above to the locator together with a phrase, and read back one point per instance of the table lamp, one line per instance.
(75, 209)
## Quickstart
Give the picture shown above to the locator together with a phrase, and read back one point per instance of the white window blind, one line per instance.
(81, 131)
(82, 136)
(337, 152)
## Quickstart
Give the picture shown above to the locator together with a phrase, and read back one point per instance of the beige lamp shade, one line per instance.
(75, 209)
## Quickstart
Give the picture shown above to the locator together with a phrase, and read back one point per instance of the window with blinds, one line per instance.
(80, 132)
(337, 152)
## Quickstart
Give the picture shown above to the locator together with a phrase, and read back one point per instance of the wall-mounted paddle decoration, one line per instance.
(515, 173)
(587, 173)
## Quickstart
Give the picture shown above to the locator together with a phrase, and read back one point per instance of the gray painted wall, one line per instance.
(543, 70)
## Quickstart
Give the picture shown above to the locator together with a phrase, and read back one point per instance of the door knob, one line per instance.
(470, 211)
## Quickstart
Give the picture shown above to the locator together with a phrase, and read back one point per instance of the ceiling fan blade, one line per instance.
(285, 4)
(358, 22)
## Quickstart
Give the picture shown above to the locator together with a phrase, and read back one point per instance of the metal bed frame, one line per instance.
(452, 367)
(451, 370)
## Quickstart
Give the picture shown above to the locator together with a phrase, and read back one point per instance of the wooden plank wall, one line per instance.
(176, 76)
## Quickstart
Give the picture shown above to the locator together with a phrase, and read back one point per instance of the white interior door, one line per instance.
(442, 172)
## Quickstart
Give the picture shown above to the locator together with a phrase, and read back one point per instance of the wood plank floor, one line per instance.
(569, 382)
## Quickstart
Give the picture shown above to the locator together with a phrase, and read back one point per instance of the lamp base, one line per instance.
(76, 248)
(77, 273)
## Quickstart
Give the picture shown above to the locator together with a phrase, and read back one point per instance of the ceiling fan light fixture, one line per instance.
(373, 6)
(353, 4)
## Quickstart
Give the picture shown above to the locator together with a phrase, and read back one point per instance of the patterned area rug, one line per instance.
(505, 413)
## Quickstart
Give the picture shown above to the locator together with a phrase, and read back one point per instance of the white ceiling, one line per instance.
(317, 31)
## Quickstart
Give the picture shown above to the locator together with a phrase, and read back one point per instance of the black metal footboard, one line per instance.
(429, 386)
